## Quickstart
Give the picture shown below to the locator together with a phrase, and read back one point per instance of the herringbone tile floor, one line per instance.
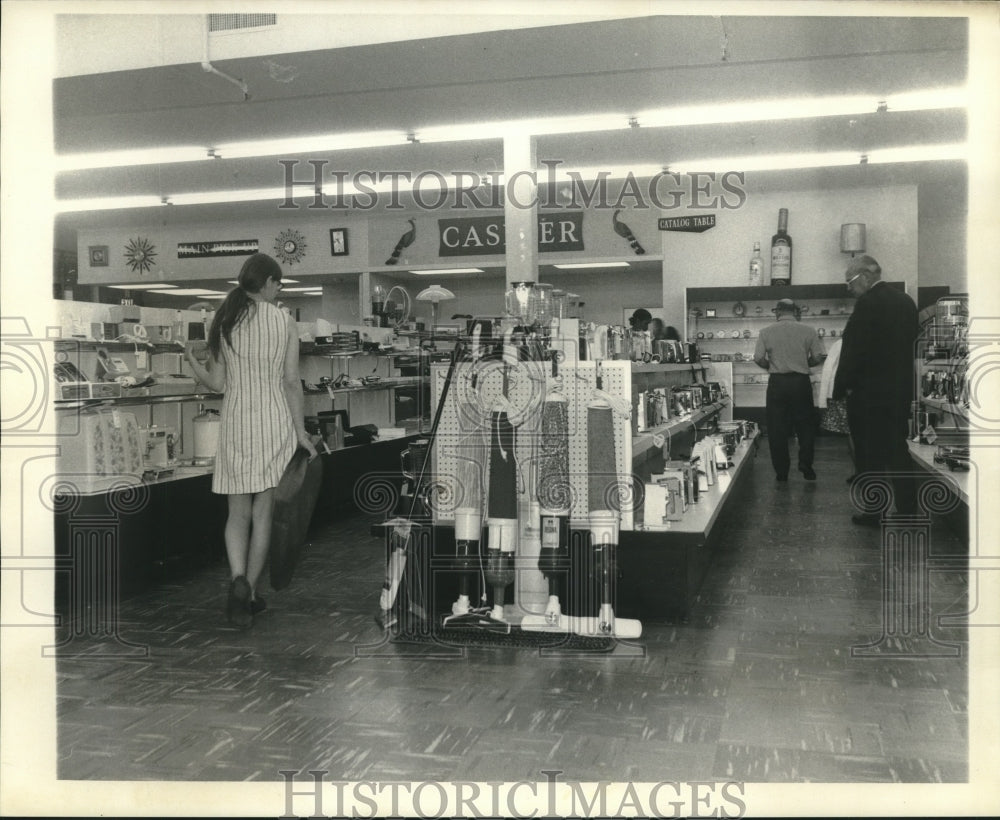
(760, 684)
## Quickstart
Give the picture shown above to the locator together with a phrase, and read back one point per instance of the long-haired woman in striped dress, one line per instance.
(253, 360)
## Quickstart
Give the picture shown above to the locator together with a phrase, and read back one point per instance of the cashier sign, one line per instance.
(480, 235)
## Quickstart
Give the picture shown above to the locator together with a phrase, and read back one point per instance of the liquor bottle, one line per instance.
(756, 267)
(781, 252)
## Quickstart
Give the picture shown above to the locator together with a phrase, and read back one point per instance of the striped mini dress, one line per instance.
(256, 434)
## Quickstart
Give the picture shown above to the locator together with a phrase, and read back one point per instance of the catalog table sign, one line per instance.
(687, 224)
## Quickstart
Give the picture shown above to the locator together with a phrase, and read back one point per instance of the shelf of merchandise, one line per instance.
(660, 570)
(952, 428)
(644, 442)
(186, 391)
(749, 380)
(700, 517)
(923, 454)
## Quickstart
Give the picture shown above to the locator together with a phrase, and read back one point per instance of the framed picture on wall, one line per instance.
(338, 242)
(98, 256)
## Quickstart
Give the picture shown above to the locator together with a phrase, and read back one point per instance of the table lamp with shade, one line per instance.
(435, 294)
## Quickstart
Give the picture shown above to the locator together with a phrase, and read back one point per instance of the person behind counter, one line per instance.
(252, 358)
(786, 350)
(640, 319)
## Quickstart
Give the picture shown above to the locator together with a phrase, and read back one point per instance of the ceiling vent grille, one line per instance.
(234, 22)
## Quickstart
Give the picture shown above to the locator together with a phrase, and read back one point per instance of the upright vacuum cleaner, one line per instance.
(471, 457)
(501, 504)
(403, 525)
(554, 495)
(603, 517)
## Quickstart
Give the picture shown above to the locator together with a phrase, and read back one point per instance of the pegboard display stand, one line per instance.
(659, 570)
(461, 446)
(477, 389)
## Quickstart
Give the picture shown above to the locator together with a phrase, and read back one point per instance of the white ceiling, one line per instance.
(617, 66)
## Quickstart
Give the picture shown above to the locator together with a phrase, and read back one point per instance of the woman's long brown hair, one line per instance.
(253, 276)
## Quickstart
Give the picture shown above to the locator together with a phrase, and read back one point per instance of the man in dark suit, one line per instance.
(876, 375)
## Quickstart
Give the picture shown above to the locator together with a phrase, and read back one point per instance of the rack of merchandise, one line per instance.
(173, 399)
(725, 322)
(660, 564)
(939, 436)
(161, 514)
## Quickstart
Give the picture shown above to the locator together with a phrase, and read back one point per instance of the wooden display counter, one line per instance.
(114, 543)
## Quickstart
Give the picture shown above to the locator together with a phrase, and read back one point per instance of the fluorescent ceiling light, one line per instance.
(803, 108)
(139, 156)
(763, 162)
(193, 292)
(160, 286)
(304, 145)
(446, 270)
(310, 289)
(919, 153)
(197, 198)
(769, 162)
(284, 281)
(582, 265)
(928, 99)
(238, 195)
(590, 174)
(537, 127)
(233, 150)
(714, 113)
(108, 203)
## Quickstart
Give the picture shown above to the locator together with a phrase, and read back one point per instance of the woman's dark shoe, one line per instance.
(238, 610)
(257, 605)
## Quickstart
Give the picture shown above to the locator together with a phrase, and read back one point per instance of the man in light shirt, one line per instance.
(786, 350)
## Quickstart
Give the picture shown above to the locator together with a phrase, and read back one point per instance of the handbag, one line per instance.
(294, 503)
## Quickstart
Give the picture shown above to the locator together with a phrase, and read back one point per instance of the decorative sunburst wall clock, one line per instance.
(290, 246)
(139, 254)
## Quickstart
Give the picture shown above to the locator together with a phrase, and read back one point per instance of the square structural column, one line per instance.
(521, 207)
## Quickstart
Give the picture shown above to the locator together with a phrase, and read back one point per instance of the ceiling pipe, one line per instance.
(211, 69)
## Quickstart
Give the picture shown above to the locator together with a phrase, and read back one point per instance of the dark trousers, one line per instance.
(790, 409)
(879, 432)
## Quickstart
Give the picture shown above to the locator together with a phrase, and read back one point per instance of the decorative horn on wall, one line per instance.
(404, 242)
(624, 230)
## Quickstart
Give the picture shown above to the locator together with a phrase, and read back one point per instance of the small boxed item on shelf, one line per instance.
(717, 391)
(125, 313)
(100, 444)
(338, 343)
(668, 350)
(704, 393)
(686, 472)
(956, 457)
(664, 503)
